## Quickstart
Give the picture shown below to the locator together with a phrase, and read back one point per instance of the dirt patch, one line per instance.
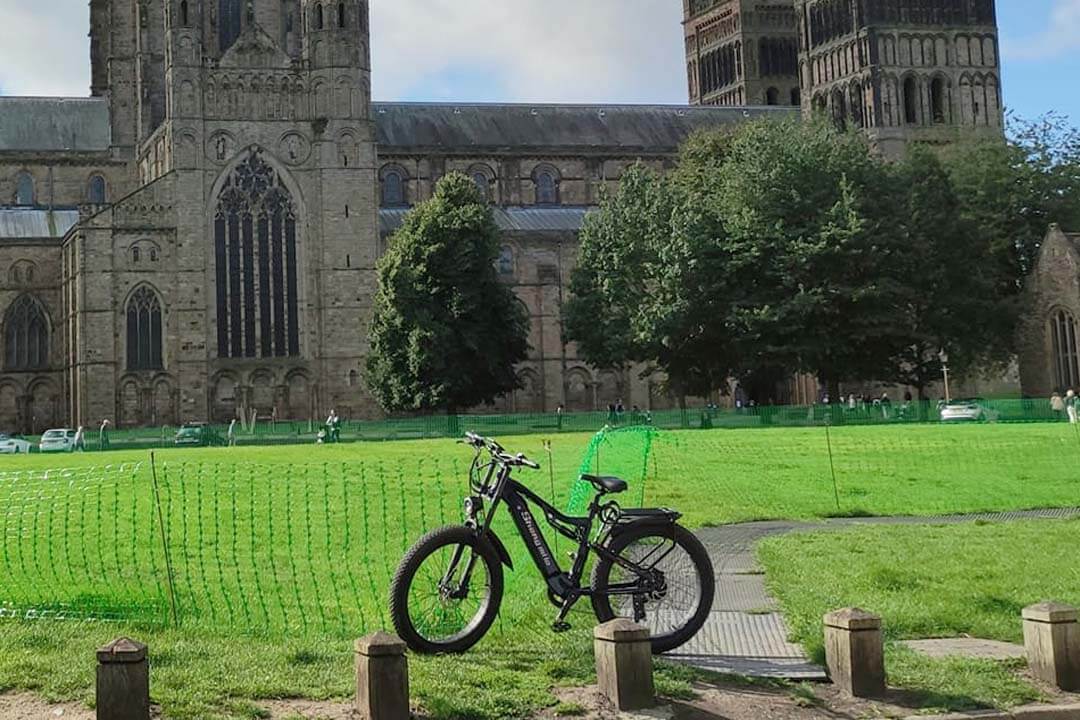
(721, 701)
(307, 710)
(24, 706)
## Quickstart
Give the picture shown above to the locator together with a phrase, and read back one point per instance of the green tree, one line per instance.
(446, 333)
(949, 279)
(1012, 190)
(807, 212)
(764, 248)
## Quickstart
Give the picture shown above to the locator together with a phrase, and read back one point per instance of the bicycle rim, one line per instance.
(437, 615)
(670, 611)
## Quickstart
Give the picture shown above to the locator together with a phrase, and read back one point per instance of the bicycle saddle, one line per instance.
(606, 484)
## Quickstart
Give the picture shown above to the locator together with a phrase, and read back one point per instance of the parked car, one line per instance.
(59, 440)
(13, 445)
(198, 434)
(968, 410)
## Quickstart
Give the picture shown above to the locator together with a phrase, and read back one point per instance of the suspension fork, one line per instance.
(481, 529)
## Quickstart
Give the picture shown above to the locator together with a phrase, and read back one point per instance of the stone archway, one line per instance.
(44, 406)
(223, 408)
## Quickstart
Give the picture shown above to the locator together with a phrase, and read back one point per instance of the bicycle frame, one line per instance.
(566, 586)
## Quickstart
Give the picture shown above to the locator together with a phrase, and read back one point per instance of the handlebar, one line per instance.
(498, 453)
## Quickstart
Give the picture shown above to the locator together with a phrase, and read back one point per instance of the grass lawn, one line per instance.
(280, 555)
(930, 581)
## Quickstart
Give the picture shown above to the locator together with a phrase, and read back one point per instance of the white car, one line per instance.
(57, 441)
(967, 411)
(12, 445)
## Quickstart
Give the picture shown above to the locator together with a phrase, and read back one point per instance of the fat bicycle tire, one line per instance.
(446, 537)
(699, 557)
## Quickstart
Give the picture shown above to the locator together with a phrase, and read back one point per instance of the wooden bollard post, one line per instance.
(123, 681)
(382, 678)
(624, 664)
(855, 652)
(1052, 641)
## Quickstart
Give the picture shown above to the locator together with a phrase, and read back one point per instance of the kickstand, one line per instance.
(560, 624)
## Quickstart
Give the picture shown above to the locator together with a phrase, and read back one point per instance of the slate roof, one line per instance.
(82, 125)
(660, 128)
(54, 124)
(535, 219)
(32, 223)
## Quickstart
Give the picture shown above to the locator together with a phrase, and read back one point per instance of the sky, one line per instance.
(599, 51)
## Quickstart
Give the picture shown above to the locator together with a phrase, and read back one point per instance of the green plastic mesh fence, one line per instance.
(1004, 411)
(310, 548)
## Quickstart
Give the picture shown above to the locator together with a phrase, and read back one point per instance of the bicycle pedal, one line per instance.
(560, 627)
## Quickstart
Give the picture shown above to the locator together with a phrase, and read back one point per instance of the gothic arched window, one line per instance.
(255, 232)
(547, 186)
(144, 330)
(911, 102)
(95, 190)
(184, 13)
(1063, 338)
(26, 335)
(937, 100)
(506, 260)
(772, 96)
(393, 188)
(483, 185)
(24, 189)
(229, 14)
(319, 19)
(341, 17)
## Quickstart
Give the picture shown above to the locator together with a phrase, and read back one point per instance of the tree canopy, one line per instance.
(786, 246)
(446, 334)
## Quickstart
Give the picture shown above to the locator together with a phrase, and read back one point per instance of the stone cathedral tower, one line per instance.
(905, 70)
(741, 52)
(249, 235)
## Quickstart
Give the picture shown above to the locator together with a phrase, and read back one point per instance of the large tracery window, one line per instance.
(26, 335)
(256, 258)
(144, 330)
(1063, 337)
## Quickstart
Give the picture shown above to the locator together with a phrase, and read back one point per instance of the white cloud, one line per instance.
(531, 50)
(537, 50)
(44, 48)
(1061, 35)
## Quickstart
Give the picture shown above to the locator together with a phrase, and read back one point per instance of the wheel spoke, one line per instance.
(440, 609)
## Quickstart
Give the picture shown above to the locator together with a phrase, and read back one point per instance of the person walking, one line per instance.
(1057, 406)
(1070, 406)
(333, 425)
(231, 435)
(80, 439)
(103, 435)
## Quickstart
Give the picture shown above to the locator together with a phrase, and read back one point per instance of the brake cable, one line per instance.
(551, 477)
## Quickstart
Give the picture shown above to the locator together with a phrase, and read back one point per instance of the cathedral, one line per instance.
(197, 239)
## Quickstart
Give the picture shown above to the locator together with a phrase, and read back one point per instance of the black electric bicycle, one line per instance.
(448, 588)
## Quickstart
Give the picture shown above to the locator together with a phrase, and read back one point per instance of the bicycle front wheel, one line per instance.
(677, 610)
(447, 591)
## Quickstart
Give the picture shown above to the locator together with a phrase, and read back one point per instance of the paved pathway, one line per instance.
(745, 633)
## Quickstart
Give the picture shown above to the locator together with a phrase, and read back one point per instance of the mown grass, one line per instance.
(930, 581)
(281, 555)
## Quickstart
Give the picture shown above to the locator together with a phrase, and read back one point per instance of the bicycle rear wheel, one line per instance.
(447, 591)
(673, 614)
